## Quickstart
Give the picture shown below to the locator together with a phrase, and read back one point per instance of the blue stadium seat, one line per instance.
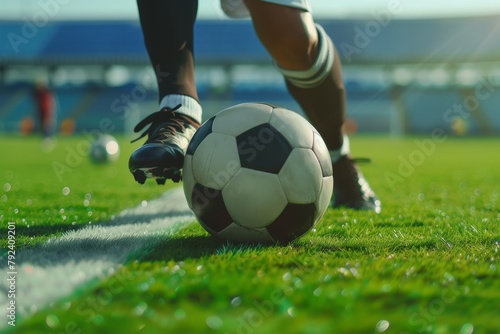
(491, 109)
(427, 109)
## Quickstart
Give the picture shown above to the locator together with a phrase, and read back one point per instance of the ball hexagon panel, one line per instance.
(237, 233)
(188, 181)
(295, 128)
(319, 148)
(325, 196)
(204, 130)
(208, 205)
(253, 198)
(263, 148)
(301, 176)
(232, 121)
(216, 160)
(293, 222)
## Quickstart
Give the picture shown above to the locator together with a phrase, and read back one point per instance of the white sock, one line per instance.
(190, 107)
(344, 150)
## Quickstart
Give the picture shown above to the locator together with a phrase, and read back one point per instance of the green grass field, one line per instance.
(427, 264)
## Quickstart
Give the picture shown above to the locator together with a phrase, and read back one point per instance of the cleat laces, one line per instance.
(163, 124)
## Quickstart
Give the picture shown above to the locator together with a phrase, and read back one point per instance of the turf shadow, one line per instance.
(195, 247)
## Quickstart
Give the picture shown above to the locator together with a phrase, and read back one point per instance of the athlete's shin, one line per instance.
(320, 92)
(168, 35)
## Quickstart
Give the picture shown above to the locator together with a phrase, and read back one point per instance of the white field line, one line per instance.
(55, 268)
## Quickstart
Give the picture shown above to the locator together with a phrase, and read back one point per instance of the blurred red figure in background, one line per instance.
(45, 109)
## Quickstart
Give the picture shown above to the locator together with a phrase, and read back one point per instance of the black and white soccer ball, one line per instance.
(257, 173)
(104, 149)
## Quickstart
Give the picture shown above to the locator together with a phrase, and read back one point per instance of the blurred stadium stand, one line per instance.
(402, 76)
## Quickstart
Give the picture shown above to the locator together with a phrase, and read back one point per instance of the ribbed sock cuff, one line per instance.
(189, 106)
(313, 76)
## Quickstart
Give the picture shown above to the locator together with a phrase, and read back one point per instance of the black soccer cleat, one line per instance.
(350, 188)
(162, 155)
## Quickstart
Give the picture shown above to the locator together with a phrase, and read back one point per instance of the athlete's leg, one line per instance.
(168, 34)
(305, 55)
(167, 27)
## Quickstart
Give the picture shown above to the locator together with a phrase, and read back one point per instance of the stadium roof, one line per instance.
(450, 40)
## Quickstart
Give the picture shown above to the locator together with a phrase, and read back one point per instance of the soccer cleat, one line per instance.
(350, 188)
(162, 155)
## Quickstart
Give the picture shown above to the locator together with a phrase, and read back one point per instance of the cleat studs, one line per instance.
(159, 174)
(176, 176)
(139, 176)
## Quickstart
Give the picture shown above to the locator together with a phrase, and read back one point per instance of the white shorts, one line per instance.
(237, 8)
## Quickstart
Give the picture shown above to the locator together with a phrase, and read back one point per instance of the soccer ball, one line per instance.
(257, 173)
(104, 149)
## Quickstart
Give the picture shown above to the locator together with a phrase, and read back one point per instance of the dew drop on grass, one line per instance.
(144, 204)
(354, 272)
(4, 198)
(66, 306)
(467, 328)
(66, 191)
(297, 282)
(382, 326)
(140, 308)
(7, 187)
(52, 321)
(236, 301)
(214, 322)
